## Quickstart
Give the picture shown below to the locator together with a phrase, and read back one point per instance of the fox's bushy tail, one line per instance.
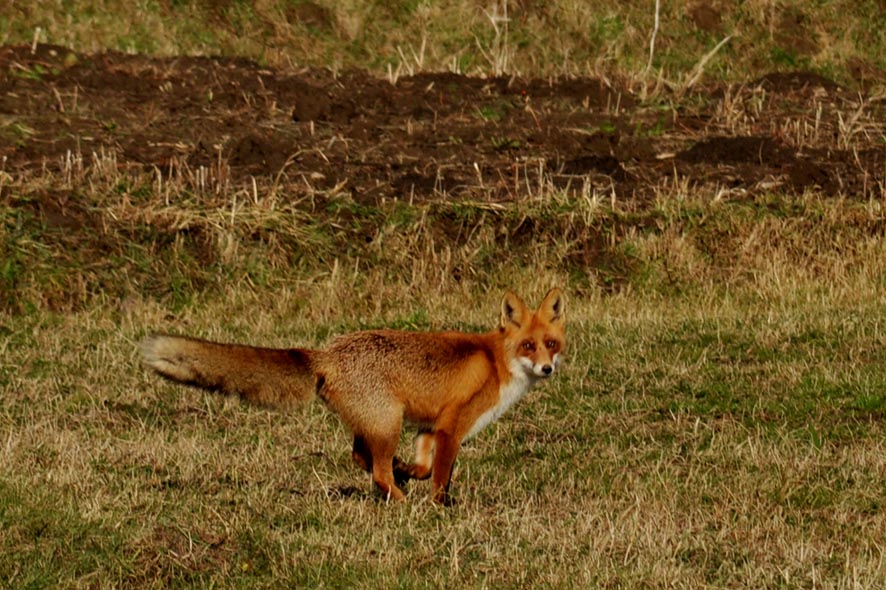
(264, 376)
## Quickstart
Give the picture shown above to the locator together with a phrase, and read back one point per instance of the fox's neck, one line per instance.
(509, 392)
(520, 382)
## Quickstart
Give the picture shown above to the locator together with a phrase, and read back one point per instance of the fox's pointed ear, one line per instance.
(552, 308)
(513, 311)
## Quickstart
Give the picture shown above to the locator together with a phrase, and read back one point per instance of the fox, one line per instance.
(451, 385)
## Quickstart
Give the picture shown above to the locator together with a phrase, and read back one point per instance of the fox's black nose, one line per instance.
(547, 369)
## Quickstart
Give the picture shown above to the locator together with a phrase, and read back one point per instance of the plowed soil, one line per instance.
(435, 135)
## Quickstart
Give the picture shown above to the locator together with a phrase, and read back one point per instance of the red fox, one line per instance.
(450, 384)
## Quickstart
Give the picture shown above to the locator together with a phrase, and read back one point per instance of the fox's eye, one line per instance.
(528, 345)
(550, 344)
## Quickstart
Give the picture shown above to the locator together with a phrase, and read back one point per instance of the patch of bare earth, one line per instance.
(433, 135)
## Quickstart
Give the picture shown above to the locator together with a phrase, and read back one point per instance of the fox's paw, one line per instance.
(404, 471)
(444, 499)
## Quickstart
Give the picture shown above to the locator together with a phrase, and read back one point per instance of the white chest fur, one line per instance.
(508, 394)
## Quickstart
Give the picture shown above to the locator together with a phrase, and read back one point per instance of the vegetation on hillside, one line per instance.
(719, 422)
(842, 39)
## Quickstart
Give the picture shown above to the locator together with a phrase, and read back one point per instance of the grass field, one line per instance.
(720, 421)
(716, 426)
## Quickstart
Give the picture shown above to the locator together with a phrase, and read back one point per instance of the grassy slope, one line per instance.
(719, 424)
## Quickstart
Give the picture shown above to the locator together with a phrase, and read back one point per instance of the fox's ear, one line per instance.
(513, 311)
(552, 308)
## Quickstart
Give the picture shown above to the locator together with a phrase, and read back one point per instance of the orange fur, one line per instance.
(451, 384)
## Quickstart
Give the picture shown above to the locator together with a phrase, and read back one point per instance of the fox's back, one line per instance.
(417, 369)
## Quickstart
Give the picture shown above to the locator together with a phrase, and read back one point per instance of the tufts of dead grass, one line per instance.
(555, 38)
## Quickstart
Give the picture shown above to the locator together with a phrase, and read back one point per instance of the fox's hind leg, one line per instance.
(361, 454)
(373, 457)
(381, 450)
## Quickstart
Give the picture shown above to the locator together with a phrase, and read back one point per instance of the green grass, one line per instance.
(48, 542)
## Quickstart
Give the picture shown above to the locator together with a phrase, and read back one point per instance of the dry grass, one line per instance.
(690, 444)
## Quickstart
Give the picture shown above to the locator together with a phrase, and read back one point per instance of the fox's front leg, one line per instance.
(446, 449)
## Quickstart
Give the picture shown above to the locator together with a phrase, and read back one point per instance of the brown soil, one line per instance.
(433, 135)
